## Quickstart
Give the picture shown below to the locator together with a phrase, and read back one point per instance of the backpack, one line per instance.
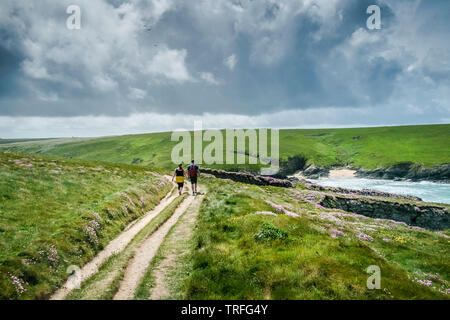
(192, 170)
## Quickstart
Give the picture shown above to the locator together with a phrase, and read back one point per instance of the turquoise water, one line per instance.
(428, 191)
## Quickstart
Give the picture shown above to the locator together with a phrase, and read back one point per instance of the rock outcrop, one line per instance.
(314, 172)
(414, 214)
(408, 171)
(400, 171)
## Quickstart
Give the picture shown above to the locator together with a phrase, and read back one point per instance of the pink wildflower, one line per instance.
(92, 235)
(426, 283)
(18, 284)
(365, 237)
(337, 232)
(267, 213)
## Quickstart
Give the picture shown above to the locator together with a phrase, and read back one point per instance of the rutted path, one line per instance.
(174, 248)
(114, 247)
(146, 251)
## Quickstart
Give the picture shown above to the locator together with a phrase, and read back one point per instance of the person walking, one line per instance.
(193, 172)
(178, 175)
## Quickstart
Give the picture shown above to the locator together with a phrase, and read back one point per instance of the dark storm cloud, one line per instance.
(236, 57)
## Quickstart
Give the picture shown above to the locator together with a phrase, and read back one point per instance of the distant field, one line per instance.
(56, 213)
(366, 148)
(5, 141)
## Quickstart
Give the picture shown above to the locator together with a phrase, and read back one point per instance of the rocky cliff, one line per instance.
(412, 213)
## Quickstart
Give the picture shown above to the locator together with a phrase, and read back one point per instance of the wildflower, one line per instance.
(386, 240)
(52, 255)
(337, 232)
(268, 179)
(92, 235)
(291, 214)
(426, 283)
(365, 237)
(400, 239)
(267, 213)
(94, 224)
(277, 207)
(18, 284)
(447, 291)
(281, 209)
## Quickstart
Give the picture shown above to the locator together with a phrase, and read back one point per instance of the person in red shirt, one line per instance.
(193, 173)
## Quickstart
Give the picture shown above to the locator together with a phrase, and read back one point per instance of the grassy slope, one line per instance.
(46, 206)
(230, 263)
(376, 147)
(57, 198)
(425, 145)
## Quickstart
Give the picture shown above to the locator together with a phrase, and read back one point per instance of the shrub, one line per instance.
(270, 232)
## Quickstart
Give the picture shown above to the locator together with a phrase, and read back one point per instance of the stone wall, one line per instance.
(248, 178)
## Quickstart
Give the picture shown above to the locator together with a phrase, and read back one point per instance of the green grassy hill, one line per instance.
(366, 148)
(318, 254)
(55, 213)
(370, 148)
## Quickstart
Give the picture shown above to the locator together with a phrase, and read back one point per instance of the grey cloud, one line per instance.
(289, 55)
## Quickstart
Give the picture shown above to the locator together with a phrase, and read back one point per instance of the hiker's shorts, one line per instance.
(180, 185)
(193, 179)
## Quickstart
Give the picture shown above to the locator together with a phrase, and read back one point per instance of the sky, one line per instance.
(141, 66)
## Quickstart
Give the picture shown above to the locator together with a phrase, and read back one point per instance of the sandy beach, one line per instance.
(342, 174)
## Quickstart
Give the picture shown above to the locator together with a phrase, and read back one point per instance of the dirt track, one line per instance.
(115, 246)
(145, 253)
(177, 246)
